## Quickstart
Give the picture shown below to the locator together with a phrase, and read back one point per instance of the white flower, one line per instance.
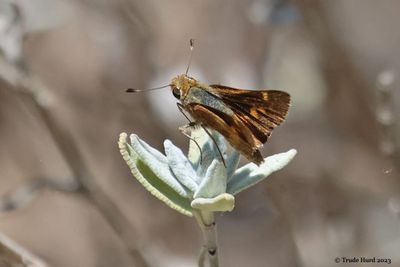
(200, 181)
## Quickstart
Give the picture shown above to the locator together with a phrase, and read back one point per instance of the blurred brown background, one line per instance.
(67, 196)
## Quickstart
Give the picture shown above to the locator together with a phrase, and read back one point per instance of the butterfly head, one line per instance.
(181, 84)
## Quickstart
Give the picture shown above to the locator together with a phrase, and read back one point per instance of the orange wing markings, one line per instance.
(261, 111)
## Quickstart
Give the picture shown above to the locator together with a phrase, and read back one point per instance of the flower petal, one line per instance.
(180, 166)
(251, 174)
(209, 151)
(222, 202)
(194, 152)
(157, 154)
(214, 182)
(232, 163)
(150, 180)
(159, 168)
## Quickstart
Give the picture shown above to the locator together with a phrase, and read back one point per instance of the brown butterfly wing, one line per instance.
(260, 111)
(231, 127)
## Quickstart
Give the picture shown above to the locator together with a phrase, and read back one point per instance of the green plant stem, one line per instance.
(208, 228)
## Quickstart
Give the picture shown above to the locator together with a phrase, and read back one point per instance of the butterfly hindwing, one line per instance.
(230, 126)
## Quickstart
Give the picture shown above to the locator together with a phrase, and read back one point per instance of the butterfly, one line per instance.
(246, 118)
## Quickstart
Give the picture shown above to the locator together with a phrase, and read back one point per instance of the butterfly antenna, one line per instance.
(134, 90)
(191, 55)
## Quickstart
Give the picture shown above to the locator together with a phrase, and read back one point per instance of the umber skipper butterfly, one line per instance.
(245, 118)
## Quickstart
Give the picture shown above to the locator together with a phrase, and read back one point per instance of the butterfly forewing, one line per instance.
(261, 111)
(245, 118)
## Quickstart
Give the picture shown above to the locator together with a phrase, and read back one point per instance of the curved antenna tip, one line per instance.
(190, 56)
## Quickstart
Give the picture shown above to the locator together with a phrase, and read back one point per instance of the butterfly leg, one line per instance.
(183, 130)
(194, 124)
(180, 107)
(185, 133)
(215, 143)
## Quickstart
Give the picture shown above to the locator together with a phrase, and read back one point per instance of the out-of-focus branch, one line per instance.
(385, 115)
(35, 93)
(389, 141)
(12, 255)
(11, 31)
(347, 88)
(24, 194)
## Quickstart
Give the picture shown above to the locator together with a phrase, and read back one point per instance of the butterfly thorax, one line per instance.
(190, 91)
(181, 85)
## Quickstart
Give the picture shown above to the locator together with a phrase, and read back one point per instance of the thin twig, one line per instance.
(385, 115)
(24, 194)
(12, 254)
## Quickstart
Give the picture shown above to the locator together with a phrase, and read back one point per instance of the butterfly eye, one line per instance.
(176, 92)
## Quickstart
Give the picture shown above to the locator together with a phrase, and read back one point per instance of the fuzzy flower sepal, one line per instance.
(199, 181)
